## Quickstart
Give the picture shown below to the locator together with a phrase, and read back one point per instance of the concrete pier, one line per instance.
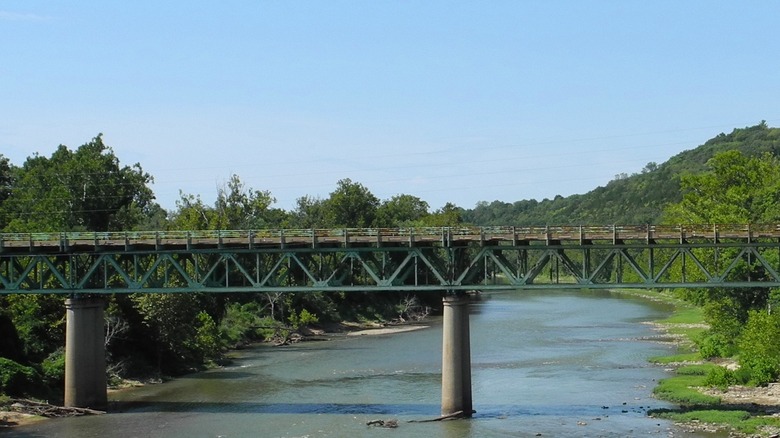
(456, 357)
(85, 354)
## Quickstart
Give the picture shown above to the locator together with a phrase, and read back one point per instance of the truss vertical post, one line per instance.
(651, 263)
(586, 263)
(416, 258)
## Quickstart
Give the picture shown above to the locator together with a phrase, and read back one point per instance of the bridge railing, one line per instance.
(584, 233)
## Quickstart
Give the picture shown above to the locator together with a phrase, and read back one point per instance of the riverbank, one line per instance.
(740, 411)
(386, 330)
(13, 413)
(14, 419)
(20, 412)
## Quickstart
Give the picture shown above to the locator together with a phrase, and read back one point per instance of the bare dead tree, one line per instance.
(273, 298)
(411, 309)
(115, 327)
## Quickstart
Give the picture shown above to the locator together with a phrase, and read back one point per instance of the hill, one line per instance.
(635, 199)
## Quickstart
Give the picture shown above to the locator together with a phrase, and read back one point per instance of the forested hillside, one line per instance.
(636, 199)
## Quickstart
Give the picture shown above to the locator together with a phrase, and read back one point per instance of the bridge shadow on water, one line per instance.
(428, 410)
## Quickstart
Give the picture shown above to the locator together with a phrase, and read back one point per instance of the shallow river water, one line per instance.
(551, 364)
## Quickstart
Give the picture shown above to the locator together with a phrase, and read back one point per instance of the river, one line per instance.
(544, 364)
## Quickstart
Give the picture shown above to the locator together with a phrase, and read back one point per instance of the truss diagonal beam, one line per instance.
(402, 262)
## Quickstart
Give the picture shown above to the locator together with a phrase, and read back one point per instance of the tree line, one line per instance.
(88, 189)
(732, 178)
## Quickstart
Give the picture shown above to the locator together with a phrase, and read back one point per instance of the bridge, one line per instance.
(449, 261)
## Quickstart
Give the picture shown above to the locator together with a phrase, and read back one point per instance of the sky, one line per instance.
(449, 101)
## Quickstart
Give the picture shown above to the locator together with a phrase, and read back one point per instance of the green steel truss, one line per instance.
(422, 260)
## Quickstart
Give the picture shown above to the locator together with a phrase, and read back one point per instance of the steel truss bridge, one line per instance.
(451, 259)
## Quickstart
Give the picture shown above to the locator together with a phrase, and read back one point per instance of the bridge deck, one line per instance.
(446, 236)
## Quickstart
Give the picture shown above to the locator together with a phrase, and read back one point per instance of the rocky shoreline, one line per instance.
(24, 411)
(761, 400)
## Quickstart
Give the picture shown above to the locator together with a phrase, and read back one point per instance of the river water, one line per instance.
(549, 363)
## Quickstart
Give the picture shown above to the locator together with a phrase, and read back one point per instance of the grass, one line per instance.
(696, 370)
(684, 314)
(738, 420)
(681, 390)
(676, 358)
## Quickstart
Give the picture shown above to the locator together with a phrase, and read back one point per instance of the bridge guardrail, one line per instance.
(579, 233)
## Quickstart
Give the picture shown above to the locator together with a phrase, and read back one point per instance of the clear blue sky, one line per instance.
(446, 100)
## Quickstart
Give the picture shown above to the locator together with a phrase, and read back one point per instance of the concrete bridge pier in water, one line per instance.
(85, 353)
(456, 357)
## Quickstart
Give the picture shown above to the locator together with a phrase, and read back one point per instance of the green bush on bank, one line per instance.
(302, 319)
(53, 369)
(722, 377)
(243, 324)
(759, 349)
(17, 379)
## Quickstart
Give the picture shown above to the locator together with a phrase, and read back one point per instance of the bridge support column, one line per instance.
(456, 357)
(85, 354)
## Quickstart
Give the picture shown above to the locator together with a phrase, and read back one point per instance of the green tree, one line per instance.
(736, 189)
(86, 189)
(6, 186)
(727, 318)
(236, 208)
(39, 321)
(309, 212)
(178, 327)
(351, 205)
(192, 214)
(207, 343)
(6, 179)
(448, 216)
(401, 210)
(759, 349)
(240, 208)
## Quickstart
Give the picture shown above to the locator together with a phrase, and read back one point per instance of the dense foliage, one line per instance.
(731, 178)
(87, 189)
(737, 188)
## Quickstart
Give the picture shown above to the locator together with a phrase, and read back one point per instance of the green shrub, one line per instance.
(759, 349)
(243, 324)
(715, 345)
(302, 319)
(17, 379)
(722, 377)
(207, 343)
(53, 368)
